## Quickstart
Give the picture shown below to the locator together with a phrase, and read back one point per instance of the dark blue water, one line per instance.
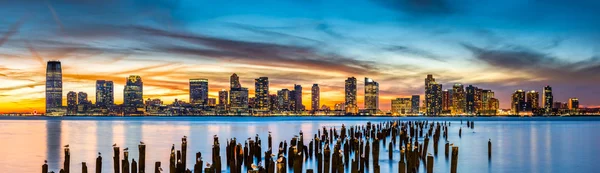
(519, 144)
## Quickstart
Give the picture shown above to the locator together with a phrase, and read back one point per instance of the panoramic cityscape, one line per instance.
(456, 100)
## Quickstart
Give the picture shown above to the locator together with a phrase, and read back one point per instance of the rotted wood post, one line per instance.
(84, 168)
(67, 163)
(281, 165)
(157, 168)
(142, 158)
(460, 132)
(134, 166)
(125, 162)
(45, 167)
(447, 149)
(99, 164)
(309, 171)
(454, 162)
(429, 163)
(327, 152)
(184, 152)
(116, 159)
(490, 149)
(198, 165)
(390, 151)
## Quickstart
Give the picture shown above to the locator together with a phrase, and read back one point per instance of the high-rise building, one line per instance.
(212, 102)
(298, 98)
(547, 99)
(533, 100)
(315, 97)
(234, 81)
(471, 97)
(478, 100)
(415, 99)
(71, 103)
(447, 100)
(371, 96)
(238, 99)
(53, 87)
(350, 103)
(82, 98)
(283, 100)
(433, 96)
(261, 93)
(518, 103)
(273, 102)
(401, 106)
(105, 93)
(493, 106)
(223, 96)
(486, 95)
(133, 93)
(458, 99)
(199, 92)
(573, 104)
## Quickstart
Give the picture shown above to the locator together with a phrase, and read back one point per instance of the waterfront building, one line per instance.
(315, 97)
(198, 92)
(518, 103)
(133, 94)
(283, 100)
(105, 93)
(471, 100)
(547, 99)
(573, 104)
(298, 106)
(533, 100)
(261, 94)
(371, 96)
(415, 99)
(350, 103)
(401, 106)
(458, 99)
(54, 87)
(71, 103)
(433, 97)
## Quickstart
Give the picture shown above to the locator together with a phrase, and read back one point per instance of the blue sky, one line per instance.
(499, 45)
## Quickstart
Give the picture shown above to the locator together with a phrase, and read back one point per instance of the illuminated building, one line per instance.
(71, 103)
(238, 98)
(493, 106)
(105, 93)
(234, 81)
(433, 97)
(573, 104)
(315, 97)
(198, 91)
(261, 93)
(371, 96)
(223, 96)
(350, 103)
(53, 87)
(458, 99)
(470, 100)
(547, 99)
(212, 102)
(415, 99)
(486, 95)
(446, 100)
(82, 98)
(273, 102)
(339, 107)
(533, 100)
(133, 93)
(478, 100)
(283, 100)
(518, 103)
(401, 106)
(298, 98)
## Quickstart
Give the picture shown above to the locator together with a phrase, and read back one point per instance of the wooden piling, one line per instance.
(116, 159)
(99, 164)
(125, 162)
(134, 166)
(84, 168)
(142, 158)
(490, 149)
(429, 163)
(454, 162)
(199, 163)
(157, 168)
(67, 163)
(184, 152)
(45, 167)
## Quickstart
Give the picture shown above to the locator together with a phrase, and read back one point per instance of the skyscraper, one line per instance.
(283, 100)
(71, 103)
(471, 99)
(401, 106)
(350, 96)
(261, 93)
(533, 100)
(447, 100)
(433, 96)
(573, 104)
(458, 99)
(371, 95)
(199, 92)
(298, 98)
(518, 103)
(234, 81)
(133, 93)
(82, 98)
(415, 99)
(223, 96)
(315, 97)
(53, 87)
(105, 93)
(547, 99)
(486, 95)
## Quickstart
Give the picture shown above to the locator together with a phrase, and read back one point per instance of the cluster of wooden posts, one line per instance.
(334, 150)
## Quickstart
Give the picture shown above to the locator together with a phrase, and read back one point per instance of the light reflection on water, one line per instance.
(520, 145)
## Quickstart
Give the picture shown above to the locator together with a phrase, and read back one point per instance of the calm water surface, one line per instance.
(520, 144)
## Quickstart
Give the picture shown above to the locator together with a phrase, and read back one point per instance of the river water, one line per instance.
(519, 144)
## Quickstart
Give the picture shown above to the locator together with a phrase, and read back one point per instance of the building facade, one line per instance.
(415, 100)
(315, 98)
(133, 93)
(433, 97)
(402, 106)
(105, 95)
(54, 87)
(71, 103)
(547, 99)
(199, 92)
(261, 93)
(518, 103)
(371, 96)
(459, 101)
(351, 106)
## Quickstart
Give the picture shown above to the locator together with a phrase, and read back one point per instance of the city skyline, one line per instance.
(498, 45)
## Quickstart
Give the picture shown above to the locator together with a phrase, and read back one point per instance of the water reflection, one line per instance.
(53, 146)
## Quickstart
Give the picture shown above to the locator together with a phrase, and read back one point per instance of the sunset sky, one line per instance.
(503, 45)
